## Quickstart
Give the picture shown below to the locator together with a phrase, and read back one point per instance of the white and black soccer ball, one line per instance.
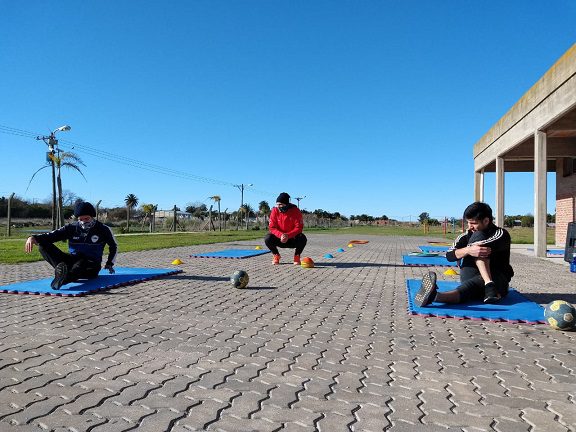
(239, 279)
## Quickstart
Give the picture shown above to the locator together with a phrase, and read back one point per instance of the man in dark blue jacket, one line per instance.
(86, 240)
(484, 255)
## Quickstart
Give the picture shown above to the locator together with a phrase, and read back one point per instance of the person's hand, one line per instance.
(30, 242)
(479, 251)
(110, 268)
(283, 238)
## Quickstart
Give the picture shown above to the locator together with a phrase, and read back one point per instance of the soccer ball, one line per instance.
(307, 262)
(560, 315)
(239, 279)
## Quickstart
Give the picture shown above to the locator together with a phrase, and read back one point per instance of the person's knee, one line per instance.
(43, 248)
(477, 236)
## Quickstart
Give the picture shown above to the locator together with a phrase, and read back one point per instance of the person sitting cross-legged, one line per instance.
(286, 225)
(485, 270)
(86, 240)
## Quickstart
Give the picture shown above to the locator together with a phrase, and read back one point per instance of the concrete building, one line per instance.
(538, 134)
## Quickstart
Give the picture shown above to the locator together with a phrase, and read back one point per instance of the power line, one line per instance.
(80, 148)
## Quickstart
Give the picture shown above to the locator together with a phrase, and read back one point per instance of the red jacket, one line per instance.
(290, 222)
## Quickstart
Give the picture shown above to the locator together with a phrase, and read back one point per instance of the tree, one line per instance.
(217, 199)
(264, 210)
(423, 218)
(61, 159)
(148, 210)
(527, 220)
(68, 160)
(69, 198)
(197, 209)
(247, 210)
(509, 221)
(131, 201)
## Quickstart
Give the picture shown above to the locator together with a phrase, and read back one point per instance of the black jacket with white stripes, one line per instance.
(497, 239)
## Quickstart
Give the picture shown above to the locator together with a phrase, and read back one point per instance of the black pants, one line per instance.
(471, 286)
(78, 267)
(273, 243)
(471, 283)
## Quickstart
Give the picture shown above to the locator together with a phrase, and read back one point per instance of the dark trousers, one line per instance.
(472, 285)
(78, 267)
(273, 243)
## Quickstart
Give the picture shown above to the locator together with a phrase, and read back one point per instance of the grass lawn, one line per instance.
(12, 250)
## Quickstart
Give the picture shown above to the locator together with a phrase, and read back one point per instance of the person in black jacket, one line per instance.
(86, 240)
(484, 255)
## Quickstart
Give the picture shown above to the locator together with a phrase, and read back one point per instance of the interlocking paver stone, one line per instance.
(324, 349)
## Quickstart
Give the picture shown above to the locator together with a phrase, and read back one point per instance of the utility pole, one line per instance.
(9, 215)
(175, 218)
(97, 208)
(52, 144)
(241, 189)
(298, 199)
(154, 210)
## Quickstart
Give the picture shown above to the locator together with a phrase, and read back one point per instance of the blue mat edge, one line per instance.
(168, 272)
(410, 305)
(427, 248)
(427, 264)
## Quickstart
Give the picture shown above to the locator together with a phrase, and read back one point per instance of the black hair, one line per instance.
(478, 211)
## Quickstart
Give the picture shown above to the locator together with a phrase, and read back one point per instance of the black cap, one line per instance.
(283, 198)
(83, 208)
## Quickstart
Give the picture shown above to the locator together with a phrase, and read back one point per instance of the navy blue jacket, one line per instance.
(86, 243)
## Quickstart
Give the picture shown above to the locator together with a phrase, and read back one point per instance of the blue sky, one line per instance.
(361, 106)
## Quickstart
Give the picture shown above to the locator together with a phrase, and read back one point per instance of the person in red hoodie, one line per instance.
(286, 225)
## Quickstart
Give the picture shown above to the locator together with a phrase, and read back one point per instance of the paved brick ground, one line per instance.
(325, 349)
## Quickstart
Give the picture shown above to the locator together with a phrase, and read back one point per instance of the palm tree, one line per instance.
(247, 210)
(264, 209)
(63, 159)
(148, 210)
(68, 160)
(217, 199)
(131, 201)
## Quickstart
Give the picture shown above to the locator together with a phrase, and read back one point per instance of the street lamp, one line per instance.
(241, 189)
(52, 144)
(298, 199)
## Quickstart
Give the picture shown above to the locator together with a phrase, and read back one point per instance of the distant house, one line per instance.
(169, 214)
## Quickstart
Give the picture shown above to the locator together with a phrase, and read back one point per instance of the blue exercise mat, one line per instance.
(232, 253)
(414, 260)
(123, 276)
(514, 307)
(554, 252)
(433, 248)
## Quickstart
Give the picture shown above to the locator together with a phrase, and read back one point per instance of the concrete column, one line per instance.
(499, 191)
(540, 170)
(479, 185)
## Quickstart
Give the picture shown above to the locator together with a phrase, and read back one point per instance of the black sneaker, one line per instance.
(60, 273)
(427, 291)
(490, 293)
